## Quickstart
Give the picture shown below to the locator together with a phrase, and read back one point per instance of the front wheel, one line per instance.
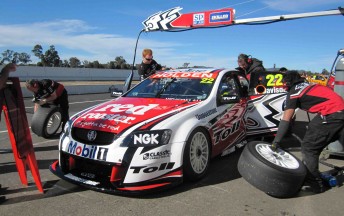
(196, 155)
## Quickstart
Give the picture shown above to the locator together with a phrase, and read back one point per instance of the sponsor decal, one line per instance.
(301, 86)
(150, 169)
(161, 20)
(126, 108)
(275, 90)
(99, 125)
(198, 19)
(220, 17)
(206, 114)
(103, 116)
(184, 75)
(146, 139)
(224, 133)
(87, 151)
(156, 155)
(228, 98)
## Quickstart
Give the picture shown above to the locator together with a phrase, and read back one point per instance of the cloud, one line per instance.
(75, 37)
(299, 5)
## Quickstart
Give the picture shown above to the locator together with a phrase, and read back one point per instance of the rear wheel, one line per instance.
(46, 121)
(196, 155)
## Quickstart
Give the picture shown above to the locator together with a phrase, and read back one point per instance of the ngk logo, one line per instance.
(146, 139)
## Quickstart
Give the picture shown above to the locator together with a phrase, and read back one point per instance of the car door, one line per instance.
(229, 128)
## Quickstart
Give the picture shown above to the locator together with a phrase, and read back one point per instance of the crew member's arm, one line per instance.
(50, 87)
(50, 98)
(283, 127)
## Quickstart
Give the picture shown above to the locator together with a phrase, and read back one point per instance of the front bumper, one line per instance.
(109, 179)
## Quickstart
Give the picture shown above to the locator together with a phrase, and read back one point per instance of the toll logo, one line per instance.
(150, 169)
(87, 151)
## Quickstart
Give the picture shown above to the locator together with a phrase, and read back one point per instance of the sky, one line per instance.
(104, 29)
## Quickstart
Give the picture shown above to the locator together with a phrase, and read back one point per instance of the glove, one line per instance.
(41, 102)
(274, 146)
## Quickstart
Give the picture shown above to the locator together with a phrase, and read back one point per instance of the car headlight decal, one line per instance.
(147, 138)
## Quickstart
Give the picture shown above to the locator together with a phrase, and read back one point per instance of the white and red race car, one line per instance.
(167, 128)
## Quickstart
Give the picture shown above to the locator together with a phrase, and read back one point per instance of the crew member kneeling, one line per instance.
(326, 127)
(46, 91)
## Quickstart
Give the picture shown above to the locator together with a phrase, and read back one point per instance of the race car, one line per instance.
(167, 128)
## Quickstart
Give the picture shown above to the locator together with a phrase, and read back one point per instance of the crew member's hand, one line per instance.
(274, 146)
(43, 101)
(11, 67)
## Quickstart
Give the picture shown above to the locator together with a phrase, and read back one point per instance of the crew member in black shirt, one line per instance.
(148, 66)
(47, 90)
(248, 65)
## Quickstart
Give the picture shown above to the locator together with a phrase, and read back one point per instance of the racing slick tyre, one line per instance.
(277, 173)
(46, 120)
(196, 157)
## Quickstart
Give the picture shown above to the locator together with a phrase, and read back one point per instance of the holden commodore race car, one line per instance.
(167, 128)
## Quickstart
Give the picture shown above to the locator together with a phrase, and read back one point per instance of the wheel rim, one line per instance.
(53, 123)
(279, 157)
(199, 153)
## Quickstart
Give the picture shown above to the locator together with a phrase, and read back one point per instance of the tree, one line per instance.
(65, 63)
(96, 64)
(38, 51)
(15, 57)
(111, 65)
(7, 56)
(119, 60)
(186, 64)
(24, 58)
(51, 57)
(74, 62)
(325, 72)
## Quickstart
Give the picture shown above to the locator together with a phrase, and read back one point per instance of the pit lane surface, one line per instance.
(222, 192)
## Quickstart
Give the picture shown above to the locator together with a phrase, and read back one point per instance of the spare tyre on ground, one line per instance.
(46, 120)
(277, 173)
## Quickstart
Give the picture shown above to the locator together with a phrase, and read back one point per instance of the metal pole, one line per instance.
(290, 16)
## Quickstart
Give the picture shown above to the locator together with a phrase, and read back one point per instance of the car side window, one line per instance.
(228, 87)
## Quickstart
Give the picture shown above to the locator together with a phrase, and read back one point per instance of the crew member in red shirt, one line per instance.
(326, 127)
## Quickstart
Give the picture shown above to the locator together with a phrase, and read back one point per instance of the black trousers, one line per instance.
(321, 132)
(63, 102)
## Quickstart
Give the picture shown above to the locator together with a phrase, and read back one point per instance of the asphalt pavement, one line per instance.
(222, 192)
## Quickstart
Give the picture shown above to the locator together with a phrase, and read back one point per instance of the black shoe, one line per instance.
(317, 185)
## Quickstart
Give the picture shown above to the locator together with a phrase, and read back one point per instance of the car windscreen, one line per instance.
(178, 88)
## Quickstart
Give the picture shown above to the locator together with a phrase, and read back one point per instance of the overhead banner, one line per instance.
(172, 19)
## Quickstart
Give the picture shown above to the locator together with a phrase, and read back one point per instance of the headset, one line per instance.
(247, 58)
